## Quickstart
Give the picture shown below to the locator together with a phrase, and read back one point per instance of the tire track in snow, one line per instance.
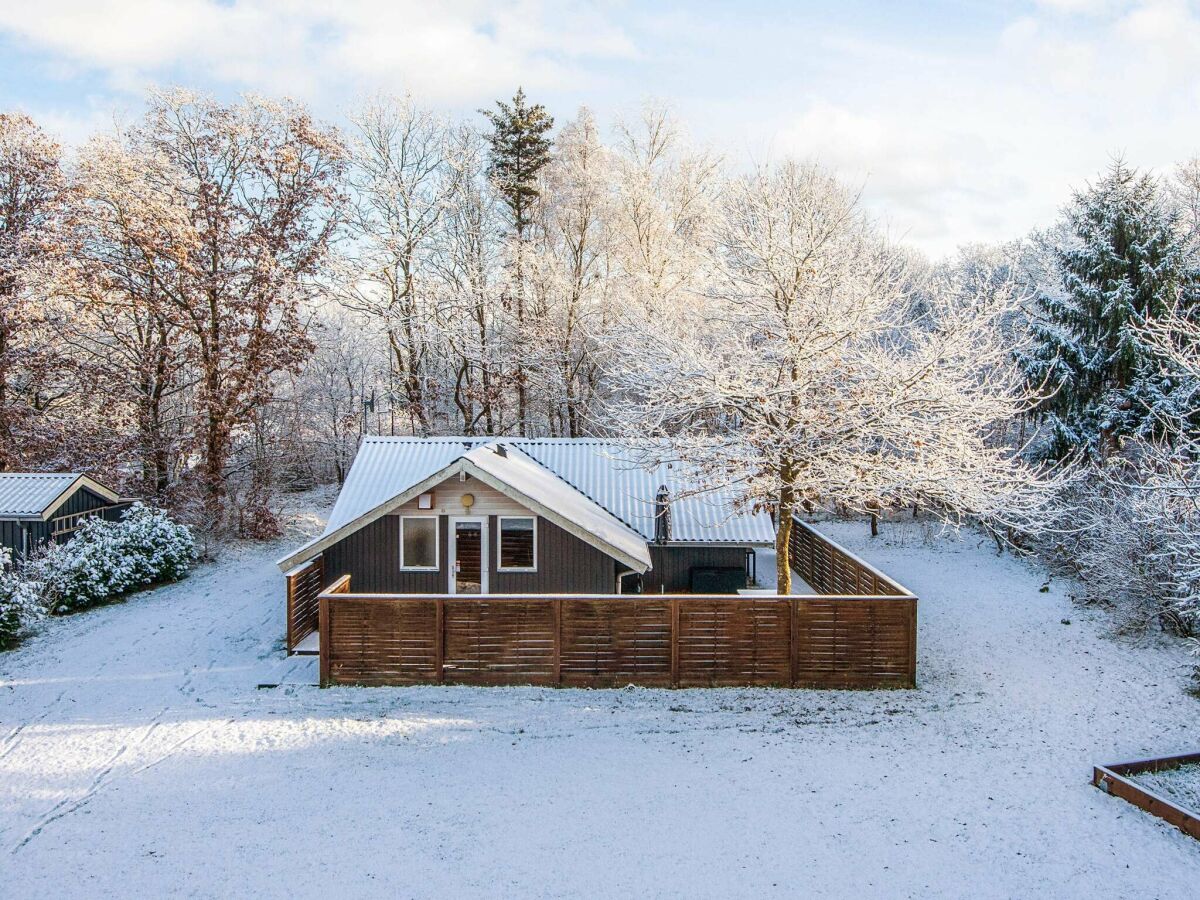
(178, 745)
(14, 738)
(68, 805)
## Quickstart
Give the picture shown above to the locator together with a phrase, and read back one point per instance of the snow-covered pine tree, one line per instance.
(1121, 265)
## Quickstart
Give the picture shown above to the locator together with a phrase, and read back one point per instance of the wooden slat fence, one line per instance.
(834, 571)
(303, 590)
(606, 640)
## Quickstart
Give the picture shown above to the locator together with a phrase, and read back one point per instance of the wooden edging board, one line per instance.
(1112, 779)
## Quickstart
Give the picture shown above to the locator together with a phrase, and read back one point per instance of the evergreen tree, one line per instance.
(520, 149)
(1120, 264)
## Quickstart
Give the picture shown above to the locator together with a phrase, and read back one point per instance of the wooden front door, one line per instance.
(468, 555)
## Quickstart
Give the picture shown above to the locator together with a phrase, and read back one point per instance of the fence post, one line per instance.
(793, 644)
(323, 629)
(439, 638)
(290, 611)
(812, 560)
(912, 642)
(674, 642)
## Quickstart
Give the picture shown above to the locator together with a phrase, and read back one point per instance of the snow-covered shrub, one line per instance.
(1131, 533)
(20, 602)
(1132, 530)
(108, 559)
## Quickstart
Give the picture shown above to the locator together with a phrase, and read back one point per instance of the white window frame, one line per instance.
(500, 533)
(437, 545)
(485, 542)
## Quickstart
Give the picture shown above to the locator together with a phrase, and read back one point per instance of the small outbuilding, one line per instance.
(36, 507)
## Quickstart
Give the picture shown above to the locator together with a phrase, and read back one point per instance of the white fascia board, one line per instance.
(322, 543)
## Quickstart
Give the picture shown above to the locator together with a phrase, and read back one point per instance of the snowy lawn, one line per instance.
(138, 759)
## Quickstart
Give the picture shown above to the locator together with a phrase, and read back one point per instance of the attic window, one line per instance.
(518, 543)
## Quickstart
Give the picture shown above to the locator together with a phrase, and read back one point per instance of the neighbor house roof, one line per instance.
(37, 495)
(559, 474)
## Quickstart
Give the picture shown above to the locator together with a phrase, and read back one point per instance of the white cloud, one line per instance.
(962, 131)
(987, 145)
(450, 51)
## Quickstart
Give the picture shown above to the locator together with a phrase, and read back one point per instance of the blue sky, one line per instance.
(965, 121)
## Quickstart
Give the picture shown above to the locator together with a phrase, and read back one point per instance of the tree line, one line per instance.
(215, 303)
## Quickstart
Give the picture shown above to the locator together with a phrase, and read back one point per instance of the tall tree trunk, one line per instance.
(783, 527)
(522, 381)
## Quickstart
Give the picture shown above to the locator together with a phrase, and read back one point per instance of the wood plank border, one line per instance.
(864, 637)
(1113, 779)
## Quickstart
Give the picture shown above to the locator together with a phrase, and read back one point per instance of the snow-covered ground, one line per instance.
(137, 758)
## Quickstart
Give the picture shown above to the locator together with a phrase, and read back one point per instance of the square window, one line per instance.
(518, 543)
(418, 542)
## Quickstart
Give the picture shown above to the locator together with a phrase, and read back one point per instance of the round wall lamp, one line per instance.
(468, 500)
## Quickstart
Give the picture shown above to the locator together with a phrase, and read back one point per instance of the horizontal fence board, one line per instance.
(837, 642)
(860, 633)
(304, 585)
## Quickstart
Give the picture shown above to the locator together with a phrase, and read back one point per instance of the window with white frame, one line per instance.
(517, 539)
(419, 543)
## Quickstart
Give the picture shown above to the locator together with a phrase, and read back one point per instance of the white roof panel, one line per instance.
(604, 470)
(526, 476)
(27, 494)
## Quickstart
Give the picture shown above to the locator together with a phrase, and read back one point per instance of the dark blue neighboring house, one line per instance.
(36, 507)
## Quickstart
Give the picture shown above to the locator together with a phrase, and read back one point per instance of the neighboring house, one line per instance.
(529, 516)
(36, 507)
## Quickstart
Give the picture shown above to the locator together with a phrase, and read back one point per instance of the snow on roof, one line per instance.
(606, 471)
(559, 501)
(28, 494)
(600, 484)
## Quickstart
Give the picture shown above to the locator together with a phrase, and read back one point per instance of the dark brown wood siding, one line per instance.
(371, 557)
(81, 501)
(10, 536)
(672, 566)
(566, 565)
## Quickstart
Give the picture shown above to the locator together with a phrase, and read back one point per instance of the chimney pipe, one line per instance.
(662, 515)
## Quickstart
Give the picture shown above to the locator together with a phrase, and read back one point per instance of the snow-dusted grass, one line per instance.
(137, 758)
(1181, 786)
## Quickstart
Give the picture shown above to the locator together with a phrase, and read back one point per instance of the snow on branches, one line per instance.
(800, 373)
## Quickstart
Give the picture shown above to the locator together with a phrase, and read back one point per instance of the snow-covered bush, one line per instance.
(20, 603)
(108, 559)
(1121, 535)
(1131, 531)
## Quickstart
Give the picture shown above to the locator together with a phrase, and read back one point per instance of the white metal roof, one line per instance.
(558, 501)
(33, 495)
(603, 471)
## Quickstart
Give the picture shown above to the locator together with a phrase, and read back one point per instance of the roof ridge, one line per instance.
(490, 438)
(41, 474)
